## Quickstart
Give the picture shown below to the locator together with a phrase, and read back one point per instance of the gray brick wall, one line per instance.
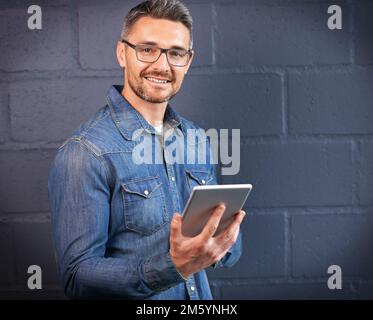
(279, 34)
(72, 101)
(258, 95)
(46, 49)
(3, 111)
(300, 94)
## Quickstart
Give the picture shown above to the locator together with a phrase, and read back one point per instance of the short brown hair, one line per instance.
(172, 10)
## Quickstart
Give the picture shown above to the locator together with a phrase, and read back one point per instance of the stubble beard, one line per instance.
(138, 87)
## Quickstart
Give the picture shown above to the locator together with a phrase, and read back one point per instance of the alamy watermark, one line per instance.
(35, 280)
(34, 22)
(335, 280)
(335, 20)
(197, 146)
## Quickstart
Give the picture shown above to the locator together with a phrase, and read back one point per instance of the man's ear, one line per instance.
(121, 54)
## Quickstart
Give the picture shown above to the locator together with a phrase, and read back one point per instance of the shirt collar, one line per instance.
(128, 119)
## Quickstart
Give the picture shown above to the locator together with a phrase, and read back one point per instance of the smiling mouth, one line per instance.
(157, 80)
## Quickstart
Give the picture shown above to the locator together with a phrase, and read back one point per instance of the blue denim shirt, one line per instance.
(111, 216)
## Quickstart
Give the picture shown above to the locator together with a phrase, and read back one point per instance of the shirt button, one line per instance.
(172, 179)
(203, 181)
(192, 288)
(146, 192)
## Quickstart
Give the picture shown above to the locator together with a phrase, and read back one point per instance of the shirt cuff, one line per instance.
(160, 272)
(219, 263)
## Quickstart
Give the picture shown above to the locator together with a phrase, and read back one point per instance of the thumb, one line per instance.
(175, 228)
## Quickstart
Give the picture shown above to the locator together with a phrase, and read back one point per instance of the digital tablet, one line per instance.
(204, 199)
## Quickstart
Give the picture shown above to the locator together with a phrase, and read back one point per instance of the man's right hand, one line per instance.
(191, 254)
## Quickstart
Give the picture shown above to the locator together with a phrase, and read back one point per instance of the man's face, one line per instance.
(139, 76)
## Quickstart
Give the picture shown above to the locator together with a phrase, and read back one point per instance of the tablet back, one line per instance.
(204, 199)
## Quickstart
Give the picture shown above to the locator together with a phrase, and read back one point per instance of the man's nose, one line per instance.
(162, 63)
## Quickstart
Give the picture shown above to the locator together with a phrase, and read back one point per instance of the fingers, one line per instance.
(175, 227)
(213, 223)
(229, 236)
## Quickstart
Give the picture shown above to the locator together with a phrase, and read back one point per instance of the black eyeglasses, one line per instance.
(150, 53)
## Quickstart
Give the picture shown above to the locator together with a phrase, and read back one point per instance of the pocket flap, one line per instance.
(143, 187)
(201, 176)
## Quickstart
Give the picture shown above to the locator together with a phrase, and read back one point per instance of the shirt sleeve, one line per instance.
(79, 194)
(232, 256)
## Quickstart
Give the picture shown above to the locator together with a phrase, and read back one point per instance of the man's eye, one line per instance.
(147, 50)
(177, 53)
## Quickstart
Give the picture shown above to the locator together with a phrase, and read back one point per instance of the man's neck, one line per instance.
(153, 113)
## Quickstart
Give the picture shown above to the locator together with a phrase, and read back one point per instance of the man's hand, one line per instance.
(191, 254)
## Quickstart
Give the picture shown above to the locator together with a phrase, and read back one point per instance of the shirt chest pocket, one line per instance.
(144, 205)
(198, 178)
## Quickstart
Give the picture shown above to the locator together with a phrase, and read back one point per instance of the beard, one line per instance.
(139, 88)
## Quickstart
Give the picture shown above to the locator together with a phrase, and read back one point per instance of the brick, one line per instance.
(363, 33)
(365, 291)
(260, 34)
(285, 291)
(202, 34)
(33, 242)
(46, 49)
(296, 174)
(7, 274)
(23, 183)
(99, 30)
(331, 103)
(263, 246)
(55, 107)
(3, 111)
(323, 240)
(366, 174)
(253, 104)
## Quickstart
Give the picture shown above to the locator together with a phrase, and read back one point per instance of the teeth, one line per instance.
(156, 80)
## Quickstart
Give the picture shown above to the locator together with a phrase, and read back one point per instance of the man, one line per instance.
(117, 231)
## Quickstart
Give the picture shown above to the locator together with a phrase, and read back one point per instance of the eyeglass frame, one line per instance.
(165, 51)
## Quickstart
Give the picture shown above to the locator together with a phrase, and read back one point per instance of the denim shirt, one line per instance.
(111, 216)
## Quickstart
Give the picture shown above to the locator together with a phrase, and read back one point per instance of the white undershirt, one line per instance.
(159, 129)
